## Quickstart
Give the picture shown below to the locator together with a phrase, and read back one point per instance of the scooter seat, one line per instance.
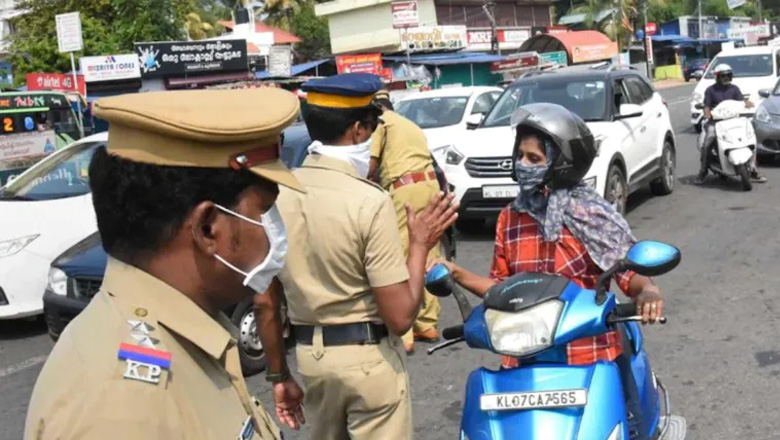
(524, 290)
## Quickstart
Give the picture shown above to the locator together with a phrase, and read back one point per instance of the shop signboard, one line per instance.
(69, 32)
(750, 35)
(554, 59)
(593, 52)
(363, 63)
(431, 38)
(405, 14)
(178, 58)
(110, 68)
(57, 82)
(508, 38)
(280, 61)
(519, 61)
(651, 28)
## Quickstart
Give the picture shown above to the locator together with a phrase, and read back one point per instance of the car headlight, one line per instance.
(13, 246)
(448, 154)
(58, 281)
(590, 181)
(762, 115)
(697, 98)
(616, 433)
(525, 332)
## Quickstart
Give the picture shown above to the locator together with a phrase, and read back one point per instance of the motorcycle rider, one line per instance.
(722, 90)
(558, 225)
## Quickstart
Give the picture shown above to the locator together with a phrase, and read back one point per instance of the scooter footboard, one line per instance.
(594, 419)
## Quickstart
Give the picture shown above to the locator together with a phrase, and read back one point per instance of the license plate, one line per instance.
(698, 73)
(500, 191)
(537, 400)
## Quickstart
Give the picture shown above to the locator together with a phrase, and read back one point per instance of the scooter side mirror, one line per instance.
(437, 281)
(699, 106)
(652, 258)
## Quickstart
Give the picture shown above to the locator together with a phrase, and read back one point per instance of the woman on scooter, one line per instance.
(559, 225)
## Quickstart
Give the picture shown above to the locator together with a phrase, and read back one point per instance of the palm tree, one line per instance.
(279, 12)
(617, 25)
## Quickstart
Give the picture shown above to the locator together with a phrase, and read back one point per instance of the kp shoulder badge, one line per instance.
(144, 364)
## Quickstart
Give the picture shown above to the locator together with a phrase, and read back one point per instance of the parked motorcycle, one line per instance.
(533, 317)
(736, 141)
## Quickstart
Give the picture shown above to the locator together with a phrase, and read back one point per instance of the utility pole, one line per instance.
(700, 26)
(648, 56)
(490, 11)
(760, 12)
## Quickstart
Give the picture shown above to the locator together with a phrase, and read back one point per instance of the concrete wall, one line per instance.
(367, 25)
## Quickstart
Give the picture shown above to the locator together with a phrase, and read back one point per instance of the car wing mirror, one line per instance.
(764, 93)
(629, 111)
(473, 120)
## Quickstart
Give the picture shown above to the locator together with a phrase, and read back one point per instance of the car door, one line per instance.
(650, 126)
(627, 129)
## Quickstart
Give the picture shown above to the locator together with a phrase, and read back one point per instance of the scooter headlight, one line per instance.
(616, 433)
(525, 332)
(697, 98)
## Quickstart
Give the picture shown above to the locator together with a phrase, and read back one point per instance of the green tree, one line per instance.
(108, 27)
(313, 31)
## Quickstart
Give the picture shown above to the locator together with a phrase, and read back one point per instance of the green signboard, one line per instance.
(554, 58)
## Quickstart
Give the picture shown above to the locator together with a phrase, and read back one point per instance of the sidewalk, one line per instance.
(669, 83)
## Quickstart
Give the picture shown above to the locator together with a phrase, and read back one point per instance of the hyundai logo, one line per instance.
(505, 164)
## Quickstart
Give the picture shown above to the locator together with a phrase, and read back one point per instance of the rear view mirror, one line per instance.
(764, 93)
(437, 281)
(473, 120)
(629, 111)
(699, 106)
(652, 258)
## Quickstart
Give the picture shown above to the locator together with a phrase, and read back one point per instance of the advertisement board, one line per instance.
(280, 61)
(553, 59)
(518, 61)
(177, 58)
(58, 82)
(26, 145)
(508, 38)
(434, 38)
(362, 63)
(593, 52)
(405, 14)
(110, 68)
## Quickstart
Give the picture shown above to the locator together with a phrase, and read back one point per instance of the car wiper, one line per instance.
(4, 196)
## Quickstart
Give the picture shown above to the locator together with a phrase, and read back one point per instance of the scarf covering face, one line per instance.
(592, 220)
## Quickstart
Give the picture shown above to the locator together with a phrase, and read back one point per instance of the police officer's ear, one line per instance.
(206, 227)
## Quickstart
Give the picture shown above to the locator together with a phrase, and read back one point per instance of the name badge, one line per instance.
(248, 430)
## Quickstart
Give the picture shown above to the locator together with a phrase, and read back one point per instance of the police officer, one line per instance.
(184, 195)
(350, 291)
(399, 151)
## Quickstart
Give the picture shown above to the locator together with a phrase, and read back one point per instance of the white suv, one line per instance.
(629, 120)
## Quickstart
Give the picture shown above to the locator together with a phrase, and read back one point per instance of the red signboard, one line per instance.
(651, 28)
(386, 74)
(59, 82)
(365, 63)
(516, 62)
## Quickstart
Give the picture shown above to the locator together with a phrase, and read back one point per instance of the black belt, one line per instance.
(360, 333)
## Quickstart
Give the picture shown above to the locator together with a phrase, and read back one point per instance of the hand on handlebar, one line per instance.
(450, 265)
(649, 305)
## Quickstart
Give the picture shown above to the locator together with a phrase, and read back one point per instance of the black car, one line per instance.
(76, 275)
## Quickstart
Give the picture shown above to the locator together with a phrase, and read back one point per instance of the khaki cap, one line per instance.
(203, 128)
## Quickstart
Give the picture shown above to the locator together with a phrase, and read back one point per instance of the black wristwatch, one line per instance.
(278, 377)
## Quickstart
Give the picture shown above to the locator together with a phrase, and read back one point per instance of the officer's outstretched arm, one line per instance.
(269, 326)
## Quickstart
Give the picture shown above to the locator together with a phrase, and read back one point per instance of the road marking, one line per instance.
(23, 365)
(678, 101)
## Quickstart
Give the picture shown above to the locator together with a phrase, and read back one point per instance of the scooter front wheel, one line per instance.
(744, 176)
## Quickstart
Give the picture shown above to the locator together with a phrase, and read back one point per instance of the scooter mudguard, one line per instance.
(739, 156)
(603, 411)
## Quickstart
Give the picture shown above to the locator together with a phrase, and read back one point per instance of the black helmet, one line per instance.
(572, 139)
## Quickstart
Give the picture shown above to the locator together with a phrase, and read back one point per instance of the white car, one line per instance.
(754, 68)
(444, 114)
(628, 118)
(45, 210)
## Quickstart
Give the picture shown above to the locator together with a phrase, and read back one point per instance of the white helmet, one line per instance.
(722, 69)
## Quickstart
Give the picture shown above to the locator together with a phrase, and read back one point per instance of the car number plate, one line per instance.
(500, 191)
(536, 400)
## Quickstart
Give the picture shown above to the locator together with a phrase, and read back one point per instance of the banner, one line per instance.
(280, 61)
(553, 59)
(518, 61)
(735, 3)
(58, 82)
(110, 68)
(177, 58)
(434, 38)
(479, 39)
(593, 52)
(364, 63)
(405, 14)
(25, 145)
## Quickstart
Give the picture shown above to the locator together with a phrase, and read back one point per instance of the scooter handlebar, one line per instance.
(627, 312)
(454, 332)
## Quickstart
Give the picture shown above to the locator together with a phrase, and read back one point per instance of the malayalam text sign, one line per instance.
(69, 32)
(405, 14)
(365, 63)
(26, 145)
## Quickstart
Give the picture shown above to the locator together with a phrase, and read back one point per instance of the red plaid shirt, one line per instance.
(520, 248)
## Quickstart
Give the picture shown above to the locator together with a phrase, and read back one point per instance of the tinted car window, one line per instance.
(433, 112)
(484, 102)
(743, 66)
(636, 94)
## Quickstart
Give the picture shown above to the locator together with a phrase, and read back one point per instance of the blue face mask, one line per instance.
(529, 177)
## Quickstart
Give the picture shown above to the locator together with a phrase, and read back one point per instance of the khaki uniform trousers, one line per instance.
(358, 392)
(418, 195)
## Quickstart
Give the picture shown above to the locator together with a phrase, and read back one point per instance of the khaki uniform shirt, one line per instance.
(87, 391)
(342, 241)
(402, 146)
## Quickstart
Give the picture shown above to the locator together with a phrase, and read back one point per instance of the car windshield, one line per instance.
(586, 98)
(433, 112)
(743, 66)
(61, 175)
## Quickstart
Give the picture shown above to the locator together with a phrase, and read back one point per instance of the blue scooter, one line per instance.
(533, 317)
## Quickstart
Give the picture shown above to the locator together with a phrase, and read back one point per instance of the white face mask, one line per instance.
(358, 155)
(259, 278)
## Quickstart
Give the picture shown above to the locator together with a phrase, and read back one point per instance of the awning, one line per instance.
(296, 69)
(581, 46)
(208, 79)
(447, 58)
